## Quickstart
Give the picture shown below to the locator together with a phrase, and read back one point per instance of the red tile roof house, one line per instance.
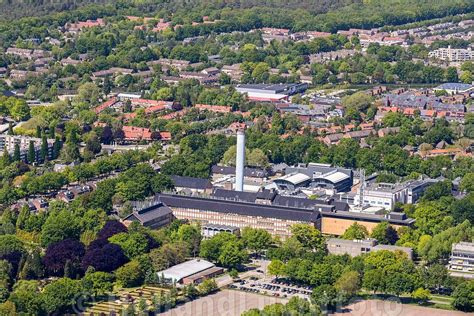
(145, 103)
(74, 27)
(214, 108)
(133, 133)
(105, 105)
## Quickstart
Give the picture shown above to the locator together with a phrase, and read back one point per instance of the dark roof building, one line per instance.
(248, 171)
(154, 216)
(244, 210)
(191, 183)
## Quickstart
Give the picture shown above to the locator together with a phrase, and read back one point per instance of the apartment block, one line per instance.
(9, 142)
(461, 262)
(452, 54)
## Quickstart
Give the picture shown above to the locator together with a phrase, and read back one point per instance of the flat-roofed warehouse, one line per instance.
(270, 92)
(190, 272)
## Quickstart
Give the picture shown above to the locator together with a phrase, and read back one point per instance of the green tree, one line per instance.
(399, 282)
(56, 148)
(133, 243)
(169, 255)
(211, 248)
(99, 283)
(356, 231)
(427, 217)
(33, 267)
(44, 148)
(348, 283)
(59, 226)
(467, 182)
(10, 129)
(12, 250)
(436, 276)
(93, 143)
(16, 152)
(71, 149)
(256, 240)
(60, 295)
(232, 255)
(467, 77)
(461, 210)
(164, 93)
(190, 234)
(5, 160)
(325, 296)
(20, 110)
(107, 85)
(437, 190)
(439, 247)
(161, 182)
(27, 297)
(231, 154)
(463, 297)
(31, 153)
(385, 233)
(6, 271)
(8, 309)
(207, 286)
(452, 74)
(190, 291)
(257, 158)
(308, 236)
(89, 94)
(276, 268)
(359, 100)
(421, 295)
(130, 275)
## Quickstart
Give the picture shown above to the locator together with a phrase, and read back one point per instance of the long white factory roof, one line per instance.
(335, 176)
(178, 272)
(295, 178)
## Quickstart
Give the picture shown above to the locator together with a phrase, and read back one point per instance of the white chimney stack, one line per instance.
(240, 161)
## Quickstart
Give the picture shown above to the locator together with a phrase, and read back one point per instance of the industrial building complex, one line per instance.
(266, 210)
(274, 200)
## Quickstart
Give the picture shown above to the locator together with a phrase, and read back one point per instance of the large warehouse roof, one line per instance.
(335, 177)
(295, 178)
(178, 272)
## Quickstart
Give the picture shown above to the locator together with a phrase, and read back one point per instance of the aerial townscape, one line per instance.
(238, 157)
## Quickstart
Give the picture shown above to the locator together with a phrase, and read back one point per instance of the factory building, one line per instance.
(150, 214)
(386, 195)
(316, 175)
(338, 246)
(274, 213)
(271, 92)
(190, 272)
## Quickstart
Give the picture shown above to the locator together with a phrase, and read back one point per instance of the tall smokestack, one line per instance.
(240, 161)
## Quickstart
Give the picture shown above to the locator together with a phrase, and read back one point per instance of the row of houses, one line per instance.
(427, 115)
(26, 53)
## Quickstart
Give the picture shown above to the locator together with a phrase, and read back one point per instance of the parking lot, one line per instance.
(273, 287)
